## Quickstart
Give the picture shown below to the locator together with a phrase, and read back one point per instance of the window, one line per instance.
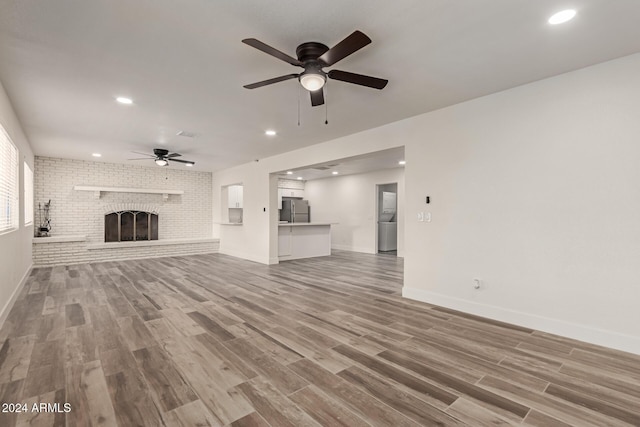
(8, 183)
(28, 195)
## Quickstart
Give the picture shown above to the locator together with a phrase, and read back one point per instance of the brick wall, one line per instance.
(188, 215)
(290, 183)
(78, 253)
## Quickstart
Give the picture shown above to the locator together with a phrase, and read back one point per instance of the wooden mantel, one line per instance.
(99, 190)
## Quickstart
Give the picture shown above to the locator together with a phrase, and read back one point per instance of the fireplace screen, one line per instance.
(129, 226)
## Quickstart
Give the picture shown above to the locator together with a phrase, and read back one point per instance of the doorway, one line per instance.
(387, 219)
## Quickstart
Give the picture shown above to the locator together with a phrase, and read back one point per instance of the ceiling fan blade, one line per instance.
(144, 154)
(358, 79)
(271, 81)
(181, 161)
(354, 42)
(272, 51)
(142, 158)
(317, 97)
(174, 155)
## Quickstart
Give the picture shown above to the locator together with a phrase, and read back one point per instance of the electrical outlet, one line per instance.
(477, 283)
(420, 216)
(427, 217)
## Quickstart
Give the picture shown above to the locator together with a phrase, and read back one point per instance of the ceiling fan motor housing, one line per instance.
(160, 152)
(310, 51)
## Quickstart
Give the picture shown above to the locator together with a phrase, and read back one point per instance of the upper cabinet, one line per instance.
(235, 196)
(290, 192)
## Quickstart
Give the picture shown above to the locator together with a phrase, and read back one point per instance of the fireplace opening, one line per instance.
(130, 226)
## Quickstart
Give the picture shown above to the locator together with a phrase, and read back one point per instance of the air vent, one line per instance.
(187, 134)
(324, 168)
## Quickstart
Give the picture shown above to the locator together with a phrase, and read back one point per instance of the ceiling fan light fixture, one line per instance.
(312, 81)
(161, 162)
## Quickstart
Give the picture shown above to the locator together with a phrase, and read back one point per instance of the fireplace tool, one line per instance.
(44, 218)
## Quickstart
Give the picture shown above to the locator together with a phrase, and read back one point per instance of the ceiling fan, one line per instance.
(162, 157)
(313, 57)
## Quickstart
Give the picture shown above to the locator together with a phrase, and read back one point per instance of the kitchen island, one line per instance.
(303, 240)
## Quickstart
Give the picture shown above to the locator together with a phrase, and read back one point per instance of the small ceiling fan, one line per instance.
(313, 57)
(162, 157)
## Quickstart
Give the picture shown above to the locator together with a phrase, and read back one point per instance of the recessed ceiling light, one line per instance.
(562, 17)
(124, 100)
(289, 173)
(186, 134)
(270, 132)
(402, 162)
(189, 164)
(335, 172)
(97, 155)
(300, 178)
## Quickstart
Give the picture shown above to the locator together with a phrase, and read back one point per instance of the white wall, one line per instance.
(534, 190)
(350, 201)
(15, 246)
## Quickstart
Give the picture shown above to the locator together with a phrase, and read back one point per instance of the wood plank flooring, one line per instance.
(212, 340)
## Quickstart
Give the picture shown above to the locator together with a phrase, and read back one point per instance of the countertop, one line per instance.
(304, 224)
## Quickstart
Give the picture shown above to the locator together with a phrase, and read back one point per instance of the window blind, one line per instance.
(8, 183)
(28, 195)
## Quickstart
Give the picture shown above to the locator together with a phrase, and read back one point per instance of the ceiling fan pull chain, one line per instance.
(326, 105)
(298, 105)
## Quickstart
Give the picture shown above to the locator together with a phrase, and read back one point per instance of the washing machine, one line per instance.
(387, 233)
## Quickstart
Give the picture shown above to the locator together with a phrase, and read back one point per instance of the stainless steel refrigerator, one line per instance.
(295, 210)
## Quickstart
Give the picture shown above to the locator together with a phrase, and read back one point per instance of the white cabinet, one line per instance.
(290, 192)
(235, 196)
(303, 241)
(284, 241)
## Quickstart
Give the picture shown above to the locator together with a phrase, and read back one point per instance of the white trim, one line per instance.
(4, 313)
(242, 255)
(163, 242)
(363, 250)
(584, 333)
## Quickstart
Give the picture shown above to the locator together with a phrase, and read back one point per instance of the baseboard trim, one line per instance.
(615, 340)
(12, 299)
(352, 249)
(248, 257)
(274, 260)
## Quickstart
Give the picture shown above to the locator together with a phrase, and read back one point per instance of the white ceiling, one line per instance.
(378, 160)
(62, 63)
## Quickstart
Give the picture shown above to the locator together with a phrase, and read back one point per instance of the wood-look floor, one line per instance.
(213, 340)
